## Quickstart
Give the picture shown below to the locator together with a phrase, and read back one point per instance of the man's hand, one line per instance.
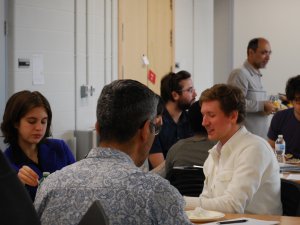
(28, 176)
(269, 107)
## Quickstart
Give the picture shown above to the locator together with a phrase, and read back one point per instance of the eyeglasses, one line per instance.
(155, 127)
(190, 90)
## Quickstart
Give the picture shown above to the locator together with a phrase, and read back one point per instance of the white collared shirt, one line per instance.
(244, 179)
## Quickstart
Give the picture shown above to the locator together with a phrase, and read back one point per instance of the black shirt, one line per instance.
(171, 132)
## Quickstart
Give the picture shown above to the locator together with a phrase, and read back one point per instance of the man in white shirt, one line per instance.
(241, 171)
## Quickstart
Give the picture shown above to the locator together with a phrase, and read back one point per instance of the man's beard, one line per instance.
(184, 105)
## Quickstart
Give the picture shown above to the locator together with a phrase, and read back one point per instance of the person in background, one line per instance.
(287, 122)
(241, 171)
(127, 125)
(194, 150)
(16, 205)
(26, 128)
(178, 93)
(248, 79)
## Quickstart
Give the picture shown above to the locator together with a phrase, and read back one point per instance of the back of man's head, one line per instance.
(230, 97)
(170, 83)
(292, 87)
(195, 118)
(123, 107)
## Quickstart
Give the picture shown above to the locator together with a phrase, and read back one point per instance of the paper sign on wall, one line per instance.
(151, 76)
(38, 70)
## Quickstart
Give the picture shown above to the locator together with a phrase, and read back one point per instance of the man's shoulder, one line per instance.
(255, 142)
(157, 181)
(239, 72)
(284, 113)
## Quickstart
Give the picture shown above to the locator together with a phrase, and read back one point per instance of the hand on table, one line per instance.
(28, 176)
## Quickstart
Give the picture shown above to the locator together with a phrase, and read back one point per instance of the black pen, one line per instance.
(232, 221)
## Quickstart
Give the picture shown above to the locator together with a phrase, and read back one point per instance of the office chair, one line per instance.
(188, 180)
(290, 197)
(95, 215)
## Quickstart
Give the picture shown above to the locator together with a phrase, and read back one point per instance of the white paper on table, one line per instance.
(249, 221)
(293, 176)
(38, 69)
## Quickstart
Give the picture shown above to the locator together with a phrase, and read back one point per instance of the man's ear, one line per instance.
(234, 116)
(97, 126)
(251, 52)
(175, 95)
(145, 130)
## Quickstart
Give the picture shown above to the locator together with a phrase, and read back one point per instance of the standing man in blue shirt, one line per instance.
(178, 93)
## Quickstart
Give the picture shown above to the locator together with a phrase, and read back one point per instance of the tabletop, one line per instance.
(283, 220)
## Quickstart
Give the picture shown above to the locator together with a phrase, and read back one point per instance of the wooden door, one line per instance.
(160, 39)
(145, 28)
(132, 39)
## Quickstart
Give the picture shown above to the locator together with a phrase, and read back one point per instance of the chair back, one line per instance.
(95, 215)
(290, 197)
(188, 180)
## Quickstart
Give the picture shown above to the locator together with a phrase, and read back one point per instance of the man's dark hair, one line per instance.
(160, 106)
(195, 119)
(170, 83)
(292, 87)
(253, 44)
(230, 98)
(123, 107)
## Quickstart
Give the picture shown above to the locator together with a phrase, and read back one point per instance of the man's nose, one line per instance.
(204, 121)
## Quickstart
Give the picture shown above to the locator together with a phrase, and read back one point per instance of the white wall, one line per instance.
(278, 21)
(194, 40)
(184, 35)
(275, 20)
(203, 44)
(77, 39)
(223, 40)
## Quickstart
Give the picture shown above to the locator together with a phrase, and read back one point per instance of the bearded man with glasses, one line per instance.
(178, 93)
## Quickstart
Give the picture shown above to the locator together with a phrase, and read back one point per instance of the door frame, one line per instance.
(3, 63)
